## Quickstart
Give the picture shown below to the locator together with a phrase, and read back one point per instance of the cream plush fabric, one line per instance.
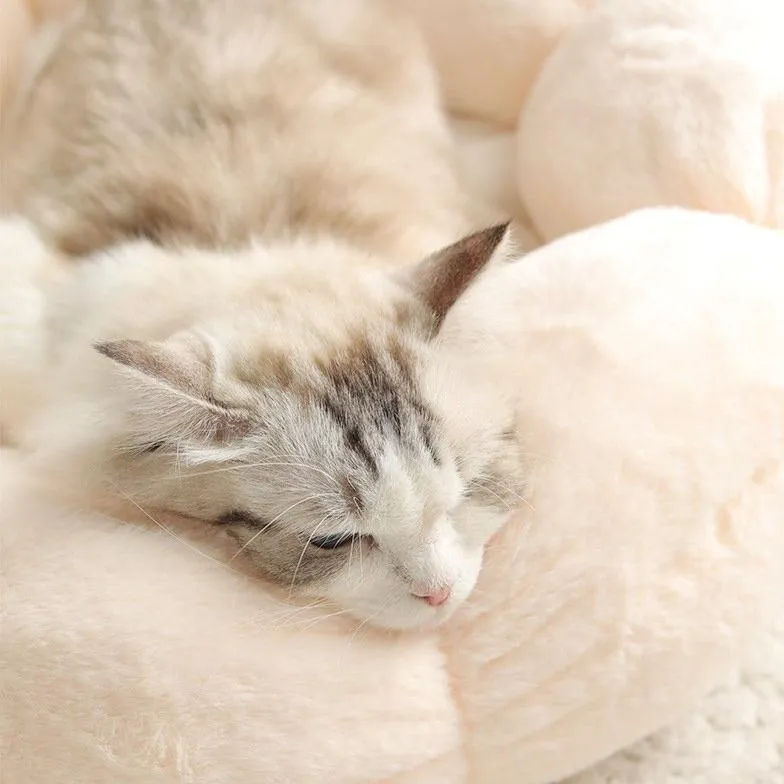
(658, 102)
(489, 52)
(651, 399)
(646, 357)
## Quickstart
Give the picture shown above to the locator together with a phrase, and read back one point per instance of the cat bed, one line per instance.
(645, 354)
(658, 102)
(617, 105)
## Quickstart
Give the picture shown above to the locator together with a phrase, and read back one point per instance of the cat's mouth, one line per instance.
(412, 612)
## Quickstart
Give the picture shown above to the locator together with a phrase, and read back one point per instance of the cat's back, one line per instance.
(217, 121)
(192, 62)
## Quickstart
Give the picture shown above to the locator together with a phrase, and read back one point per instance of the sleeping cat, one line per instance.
(267, 353)
(308, 415)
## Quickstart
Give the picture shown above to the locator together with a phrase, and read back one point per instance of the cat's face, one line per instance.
(334, 465)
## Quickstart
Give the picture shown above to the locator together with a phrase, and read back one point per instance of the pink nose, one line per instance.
(436, 597)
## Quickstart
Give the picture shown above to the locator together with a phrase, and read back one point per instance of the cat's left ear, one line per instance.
(170, 388)
(442, 278)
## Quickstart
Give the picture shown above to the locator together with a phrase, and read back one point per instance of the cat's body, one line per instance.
(283, 380)
(214, 122)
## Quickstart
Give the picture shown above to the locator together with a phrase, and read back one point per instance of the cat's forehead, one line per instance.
(370, 380)
(356, 410)
(349, 347)
(372, 391)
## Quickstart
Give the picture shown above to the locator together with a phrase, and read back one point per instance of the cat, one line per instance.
(267, 346)
(345, 459)
(212, 123)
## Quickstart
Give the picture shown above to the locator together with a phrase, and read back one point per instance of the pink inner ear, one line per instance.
(442, 278)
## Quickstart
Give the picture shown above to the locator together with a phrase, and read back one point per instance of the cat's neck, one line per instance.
(390, 239)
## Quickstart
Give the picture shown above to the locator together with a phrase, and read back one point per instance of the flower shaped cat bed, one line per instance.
(644, 356)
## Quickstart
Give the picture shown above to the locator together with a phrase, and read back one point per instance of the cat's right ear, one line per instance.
(444, 276)
(171, 396)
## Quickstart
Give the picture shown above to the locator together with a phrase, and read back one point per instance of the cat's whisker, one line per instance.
(322, 618)
(284, 620)
(361, 563)
(304, 550)
(302, 459)
(268, 620)
(372, 617)
(169, 531)
(521, 538)
(264, 464)
(271, 522)
(493, 478)
(492, 492)
(251, 540)
(483, 481)
(356, 537)
(351, 551)
(354, 497)
(179, 458)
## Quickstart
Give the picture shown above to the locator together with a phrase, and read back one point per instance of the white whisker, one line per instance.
(304, 550)
(322, 618)
(372, 617)
(171, 532)
(351, 551)
(264, 464)
(522, 536)
(288, 618)
(483, 480)
(271, 522)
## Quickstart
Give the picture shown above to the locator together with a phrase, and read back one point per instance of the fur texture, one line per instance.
(150, 697)
(28, 270)
(680, 103)
(283, 385)
(176, 119)
(329, 448)
(644, 358)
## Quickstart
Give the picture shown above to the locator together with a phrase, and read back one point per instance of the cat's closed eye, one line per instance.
(333, 542)
(337, 541)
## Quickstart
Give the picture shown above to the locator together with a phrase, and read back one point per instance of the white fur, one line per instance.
(490, 52)
(244, 307)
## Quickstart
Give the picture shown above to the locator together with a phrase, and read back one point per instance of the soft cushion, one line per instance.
(645, 360)
(489, 52)
(652, 102)
(640, 102)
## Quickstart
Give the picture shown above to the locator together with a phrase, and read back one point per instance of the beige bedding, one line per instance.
(646, 358)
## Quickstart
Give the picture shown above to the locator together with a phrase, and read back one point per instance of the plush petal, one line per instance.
(658, 102)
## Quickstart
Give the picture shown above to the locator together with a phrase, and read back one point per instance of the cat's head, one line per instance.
(327, 441)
